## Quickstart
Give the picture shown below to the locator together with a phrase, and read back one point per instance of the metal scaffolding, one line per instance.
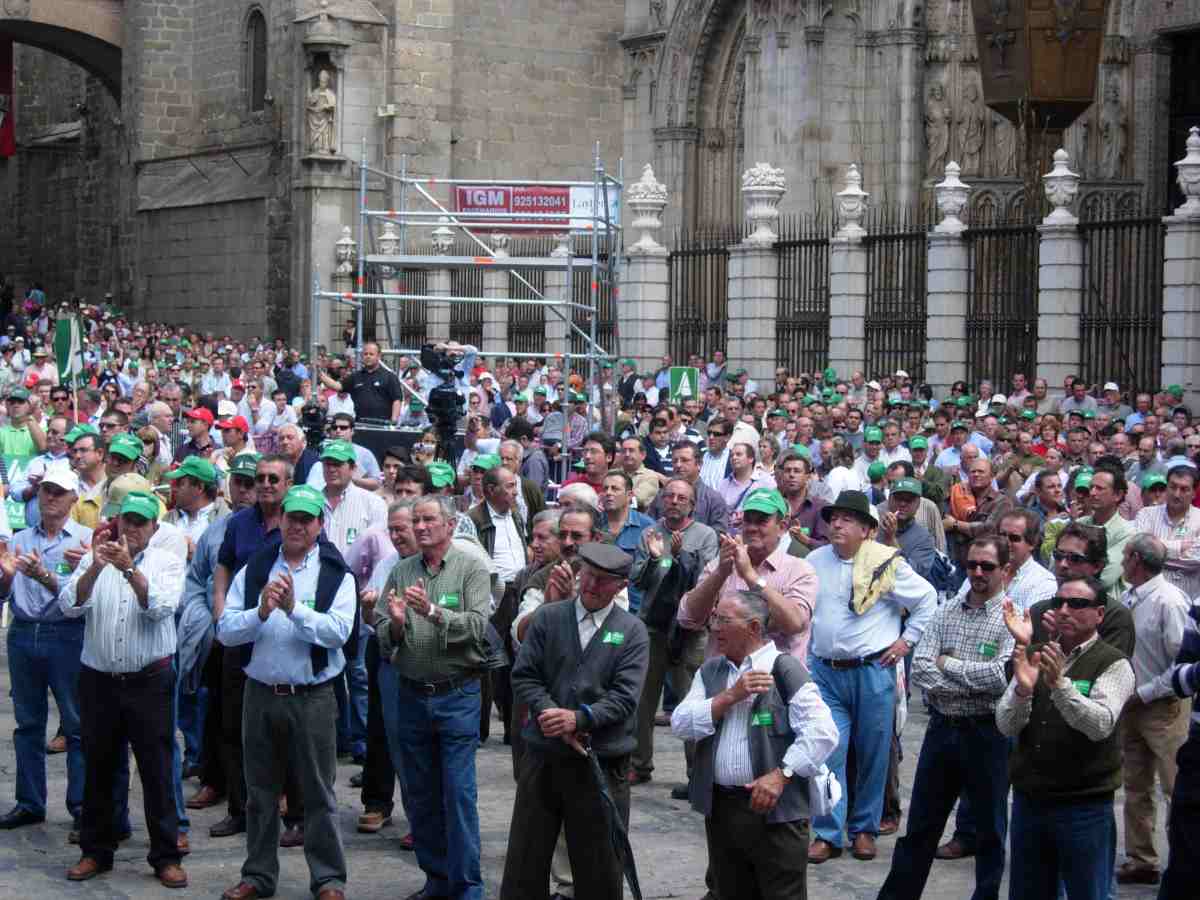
(378, 264)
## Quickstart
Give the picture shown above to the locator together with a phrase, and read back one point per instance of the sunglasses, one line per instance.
(244, 481)
(1014, 537)
(982, 564)
(1075, 558)
(268, 479)
(1073, 602)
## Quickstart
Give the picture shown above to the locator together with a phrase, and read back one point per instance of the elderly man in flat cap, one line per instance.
(580, 672)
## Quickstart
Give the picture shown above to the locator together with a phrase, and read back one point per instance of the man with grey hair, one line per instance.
(1154, 724)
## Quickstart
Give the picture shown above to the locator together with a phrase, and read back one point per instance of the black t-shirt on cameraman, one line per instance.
(373, 393)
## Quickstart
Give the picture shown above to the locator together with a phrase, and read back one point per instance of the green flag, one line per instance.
(68, 350)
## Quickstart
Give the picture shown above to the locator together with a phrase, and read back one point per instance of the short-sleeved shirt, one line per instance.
(373, 392)
(17, 441)
(245, 533)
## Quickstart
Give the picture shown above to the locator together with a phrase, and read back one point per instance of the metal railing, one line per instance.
(699, 292)
(1002, 300)
(802, 318)
(894, 325)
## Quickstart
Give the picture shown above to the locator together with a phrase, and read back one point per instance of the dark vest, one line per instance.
(1053, 761)
(333, 570)
(768, 742)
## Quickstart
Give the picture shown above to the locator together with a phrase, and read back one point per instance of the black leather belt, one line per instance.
(436, 688)
(853, 662)
(157, 666)
(292, 690)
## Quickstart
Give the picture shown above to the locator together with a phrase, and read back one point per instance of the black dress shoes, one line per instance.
(17, 818)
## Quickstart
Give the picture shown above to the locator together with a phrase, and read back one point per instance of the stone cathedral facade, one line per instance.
(195, 158)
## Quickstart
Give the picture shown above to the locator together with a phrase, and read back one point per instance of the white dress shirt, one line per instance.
(816, 735)
(590, 622)
(508, 552)
(1160, 617)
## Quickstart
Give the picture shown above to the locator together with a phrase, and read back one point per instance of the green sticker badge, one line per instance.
(63, 568)
(614, 637)
(351, 534)
(1084, 687)
(665, 562)
(449, 601)
(762, 718)
(310, 601)
(987, 649)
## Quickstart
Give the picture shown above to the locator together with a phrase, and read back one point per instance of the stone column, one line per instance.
(848, 281)
(437, 313)
(1181, 281)
(1060, 277)
(558, 337)
(644, 307)
(495, 315)
(947, 281)
(754, 277)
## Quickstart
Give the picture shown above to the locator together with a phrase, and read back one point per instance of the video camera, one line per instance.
(445, 405)
(312, 423)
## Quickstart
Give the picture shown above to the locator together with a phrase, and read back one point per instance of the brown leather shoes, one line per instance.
(183, 845)
(888, 826)
(331, 894)
(952, 849)
(821, 850)
(204, 798)
(1131, 873)
(88, 867)
(863, 847)
(172, 876)
(241, 891)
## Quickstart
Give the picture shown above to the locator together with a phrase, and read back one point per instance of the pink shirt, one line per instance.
(792, 576)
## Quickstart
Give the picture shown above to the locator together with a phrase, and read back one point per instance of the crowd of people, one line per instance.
(204, 563)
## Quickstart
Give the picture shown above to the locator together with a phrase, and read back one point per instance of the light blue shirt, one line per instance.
(366, 466)
(282, 644)
(839, 633)
(949, 458)
(37, 466)
(30, 601)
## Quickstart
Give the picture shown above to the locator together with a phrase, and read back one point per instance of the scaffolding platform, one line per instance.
(410, 261)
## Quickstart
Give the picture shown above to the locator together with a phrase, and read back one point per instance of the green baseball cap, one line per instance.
(245, 464)
(1083, 479)
(827, 394)
(521, 398)
(18, 393)
(766, 500)
(1028, 414)
(801, 450)
(873, 435)
(1153, 479)
(918, 442)
(907, 486)
(778, 414)
(1089, 414)
(1175, 390)
(81, 431)
(578, 398)
(485, 461)
(339, 451)
(731, 376)
(305, 499)
(959, 425)
(629, 362)
(125, 445)
(440, 473)
(876, 470)
(196, 467)
(962, 402)
(830, 374)
(140, 504)
(541, 390)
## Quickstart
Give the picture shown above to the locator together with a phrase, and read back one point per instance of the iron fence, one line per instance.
(397, 324)
(1002, 301)
(894, 325)
(1121, 320)
(526, 324)
(581, 293)
(698, 320)
(466, 319)
(802, 317)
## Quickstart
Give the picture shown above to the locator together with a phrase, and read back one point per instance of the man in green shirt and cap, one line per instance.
(22, 435)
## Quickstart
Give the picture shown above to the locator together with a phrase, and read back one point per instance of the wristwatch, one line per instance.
(788, 772)
(760, 585)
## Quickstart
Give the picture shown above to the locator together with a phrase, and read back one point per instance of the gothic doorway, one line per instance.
(1185, 103)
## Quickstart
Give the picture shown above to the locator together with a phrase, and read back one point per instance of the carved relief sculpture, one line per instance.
(970, 129)
(321, 114)
(937, 130)
(1112, 131)
(1004, 140)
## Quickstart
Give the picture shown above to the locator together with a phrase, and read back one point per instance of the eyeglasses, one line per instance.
(1073, 558)
(1014, 537)
(1073, 602)
(982, 564)
(268, 479)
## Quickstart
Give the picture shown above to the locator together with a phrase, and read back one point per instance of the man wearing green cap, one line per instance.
(872, 445)
(627, 386)
(293, 611)
(197, 500)
(87, 456)
(22, 434)
(128, 591)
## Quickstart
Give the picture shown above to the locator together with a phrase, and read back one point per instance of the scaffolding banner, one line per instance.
(570, 203)
(8, 134)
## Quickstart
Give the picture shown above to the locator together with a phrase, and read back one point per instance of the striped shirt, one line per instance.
(978, 645)
(452, 645)
(120, 636)
(1182, 540)
(358, 511)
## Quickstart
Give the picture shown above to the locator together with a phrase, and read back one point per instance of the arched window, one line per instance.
(256, 60)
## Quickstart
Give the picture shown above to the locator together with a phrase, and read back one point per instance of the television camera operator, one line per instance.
(375, 390)
(446, 366)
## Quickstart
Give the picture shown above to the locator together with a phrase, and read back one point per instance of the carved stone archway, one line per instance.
(89, 33)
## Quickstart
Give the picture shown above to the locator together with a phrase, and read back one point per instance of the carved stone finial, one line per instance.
(951, 196)
(1061, 186)
(500, 244)
(647, 197)
(443, 237)
(345, 252)
(763, 186)
(389, 245)
(562, 246)
(852, 205)
(1188, 176)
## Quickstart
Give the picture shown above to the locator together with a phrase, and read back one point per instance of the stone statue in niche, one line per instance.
(657, 8)
(1078, 140)
(321, 116)
(937, 131)
(970, 129)
(1004, 141)
(1112, 131)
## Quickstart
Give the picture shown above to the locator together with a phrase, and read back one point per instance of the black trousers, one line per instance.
(137, 709)
(1183, 825)
(379, 778)
(233, 685)
(750, 858)
(560, 793)
(213, 766)
(503, 695)
(486, 693)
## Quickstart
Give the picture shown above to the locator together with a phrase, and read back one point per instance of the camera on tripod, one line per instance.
(312, 423)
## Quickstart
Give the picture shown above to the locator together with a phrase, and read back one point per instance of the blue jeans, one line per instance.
(959, 754)
(863, 703)
(44, 657)
(1074, 842)
(434, 745)
(352, 703)
(185, 824)
(193, 709)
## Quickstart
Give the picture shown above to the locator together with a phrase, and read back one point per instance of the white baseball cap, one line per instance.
(873, 385)
(62, 475)
(900, 373)
(999, 398)
(1111, 386)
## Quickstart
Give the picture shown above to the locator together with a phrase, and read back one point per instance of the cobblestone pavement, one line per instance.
(668, 839)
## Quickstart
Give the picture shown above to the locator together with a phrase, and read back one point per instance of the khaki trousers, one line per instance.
(1151, 735)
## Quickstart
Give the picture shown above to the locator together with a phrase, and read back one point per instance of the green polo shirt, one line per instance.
(17, 441)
